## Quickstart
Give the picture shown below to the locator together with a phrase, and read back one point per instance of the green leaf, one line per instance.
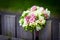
(22, 17)
(25, 28)
(21, 21)
(31, 30)
(26, 14)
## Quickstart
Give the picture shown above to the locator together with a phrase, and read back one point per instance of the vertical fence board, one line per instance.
(45, 34)
(8, 25)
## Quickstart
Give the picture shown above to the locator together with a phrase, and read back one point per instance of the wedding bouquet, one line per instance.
(34, 18)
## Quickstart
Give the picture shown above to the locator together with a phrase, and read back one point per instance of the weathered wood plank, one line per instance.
(8, 25)
(45, 34)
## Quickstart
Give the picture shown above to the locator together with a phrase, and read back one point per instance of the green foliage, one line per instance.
(21, 21)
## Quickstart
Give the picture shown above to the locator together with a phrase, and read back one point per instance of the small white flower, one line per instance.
(42, 22)
(34, 23)
(41, 17)
(37, 21)
(20, 21)
(24, 24)
(38, 28)
(48, 12)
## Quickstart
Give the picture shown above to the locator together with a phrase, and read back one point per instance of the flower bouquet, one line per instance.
(34, 18)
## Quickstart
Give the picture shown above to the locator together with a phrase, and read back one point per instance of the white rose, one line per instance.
(38, 12)
(40, 9)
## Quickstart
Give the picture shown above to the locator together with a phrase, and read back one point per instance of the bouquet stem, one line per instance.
(33, 35)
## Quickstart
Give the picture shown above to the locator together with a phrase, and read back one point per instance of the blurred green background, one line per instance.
(21, 5)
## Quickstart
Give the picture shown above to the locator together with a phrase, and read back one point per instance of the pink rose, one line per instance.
(32, 18)
(33, 15)
(27, 19)
(33, 8)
